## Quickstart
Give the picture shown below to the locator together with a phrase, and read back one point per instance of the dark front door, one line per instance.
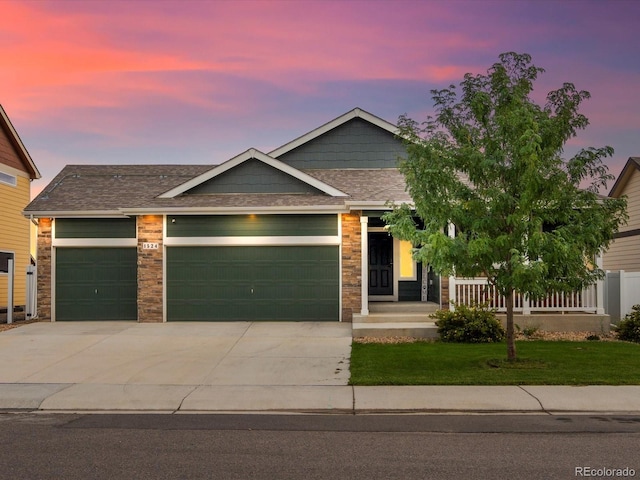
(380, 263)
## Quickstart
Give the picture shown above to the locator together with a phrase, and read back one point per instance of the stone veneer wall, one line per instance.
(150, 307)
(351, 265)
(44, 269)
(444, 291)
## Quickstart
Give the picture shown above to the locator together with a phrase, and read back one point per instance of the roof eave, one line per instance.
(623, 178)
(73, 213)
(22, 150)
(311, 209)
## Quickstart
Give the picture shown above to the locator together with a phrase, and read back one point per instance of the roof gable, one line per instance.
(245, 181)
(9, 138)
(253, 176)
(633, 164)
(341, 120)
(356, 139)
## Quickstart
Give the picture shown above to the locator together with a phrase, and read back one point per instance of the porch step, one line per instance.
(392, 318)
(403, 307)
(395, 329)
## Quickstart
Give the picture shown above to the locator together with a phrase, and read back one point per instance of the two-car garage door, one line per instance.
(252, 283)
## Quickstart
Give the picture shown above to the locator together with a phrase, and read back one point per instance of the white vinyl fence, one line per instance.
(622, 292)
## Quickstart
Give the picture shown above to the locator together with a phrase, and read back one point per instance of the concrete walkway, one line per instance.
(238, 367)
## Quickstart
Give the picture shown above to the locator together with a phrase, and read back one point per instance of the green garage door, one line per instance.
(253, 283)
(96, 284)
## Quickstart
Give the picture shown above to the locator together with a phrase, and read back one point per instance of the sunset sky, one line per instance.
(201, 81)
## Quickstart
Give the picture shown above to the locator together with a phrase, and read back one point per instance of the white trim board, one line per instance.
(251, 241)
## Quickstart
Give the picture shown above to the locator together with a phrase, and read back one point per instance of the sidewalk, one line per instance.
(240, 367)
(318, 399)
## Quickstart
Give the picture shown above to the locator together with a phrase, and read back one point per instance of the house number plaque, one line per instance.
(149, 246)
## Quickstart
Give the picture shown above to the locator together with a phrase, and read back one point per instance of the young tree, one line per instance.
(490, 163)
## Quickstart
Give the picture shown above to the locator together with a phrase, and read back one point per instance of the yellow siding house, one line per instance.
(17, 170)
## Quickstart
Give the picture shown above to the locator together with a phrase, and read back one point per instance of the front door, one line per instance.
(380, 263)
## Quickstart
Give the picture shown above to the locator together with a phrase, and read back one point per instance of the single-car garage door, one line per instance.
(96, 284)
(253, 283)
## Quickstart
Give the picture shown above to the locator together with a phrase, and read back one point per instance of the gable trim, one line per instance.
(355, 113)
(18, 145)
(625, 175)
(257, 155)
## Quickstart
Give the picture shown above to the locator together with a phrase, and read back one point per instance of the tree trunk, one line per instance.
(511, 338)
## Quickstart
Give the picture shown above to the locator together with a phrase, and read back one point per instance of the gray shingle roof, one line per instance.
(106, 189)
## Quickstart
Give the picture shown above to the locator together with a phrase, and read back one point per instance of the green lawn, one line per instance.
(540, 363)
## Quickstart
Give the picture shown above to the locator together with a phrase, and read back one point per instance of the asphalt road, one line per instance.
(57, 446)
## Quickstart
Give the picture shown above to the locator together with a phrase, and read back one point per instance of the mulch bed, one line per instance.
(557, 336)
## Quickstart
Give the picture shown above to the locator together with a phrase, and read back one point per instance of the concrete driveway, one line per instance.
(175, 366)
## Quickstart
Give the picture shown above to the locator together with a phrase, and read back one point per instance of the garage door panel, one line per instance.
(96, 284)
(253, 283)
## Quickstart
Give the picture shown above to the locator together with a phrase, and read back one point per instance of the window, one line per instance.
(8, 179)
(4, 261)
(407, 263)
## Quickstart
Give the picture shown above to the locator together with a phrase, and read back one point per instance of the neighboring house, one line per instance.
(17, 170)
(622, 259)
(624, 252)
(280, 236)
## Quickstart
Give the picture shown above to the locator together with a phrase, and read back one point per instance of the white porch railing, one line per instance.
(476, 290)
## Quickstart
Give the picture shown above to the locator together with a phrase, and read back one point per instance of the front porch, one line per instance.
(398, 296)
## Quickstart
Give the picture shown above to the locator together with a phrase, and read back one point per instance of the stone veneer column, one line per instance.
(351, 265)
(150, 278)
(444, 292)
(44, 269)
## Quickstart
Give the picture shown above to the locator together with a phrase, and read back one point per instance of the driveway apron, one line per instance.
(122, 365)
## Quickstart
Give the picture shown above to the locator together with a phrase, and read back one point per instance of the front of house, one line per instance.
(280, 236)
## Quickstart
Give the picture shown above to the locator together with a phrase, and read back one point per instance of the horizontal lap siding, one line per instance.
(251, 225)
(96, 228)
(15, 236)
(624, 252)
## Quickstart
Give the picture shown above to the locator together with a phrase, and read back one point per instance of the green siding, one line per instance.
(95, 228)
(355, 144)
(253, 283)
(253, 176)
(251, 225)
(96, 284)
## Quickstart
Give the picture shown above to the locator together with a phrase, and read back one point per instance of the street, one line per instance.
(150, 446)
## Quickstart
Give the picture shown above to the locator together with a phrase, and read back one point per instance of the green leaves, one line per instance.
(490, 162)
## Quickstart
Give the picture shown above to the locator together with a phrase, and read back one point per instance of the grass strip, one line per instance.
(539, 363)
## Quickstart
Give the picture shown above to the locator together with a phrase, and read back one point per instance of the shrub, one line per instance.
(629, 327)
(476, 324)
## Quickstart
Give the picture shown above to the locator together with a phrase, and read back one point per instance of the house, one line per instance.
(283, 235)
(622, 260)
(17, 170)
(624, 252)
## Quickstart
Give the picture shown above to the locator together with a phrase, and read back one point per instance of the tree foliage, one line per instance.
(491, 163)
